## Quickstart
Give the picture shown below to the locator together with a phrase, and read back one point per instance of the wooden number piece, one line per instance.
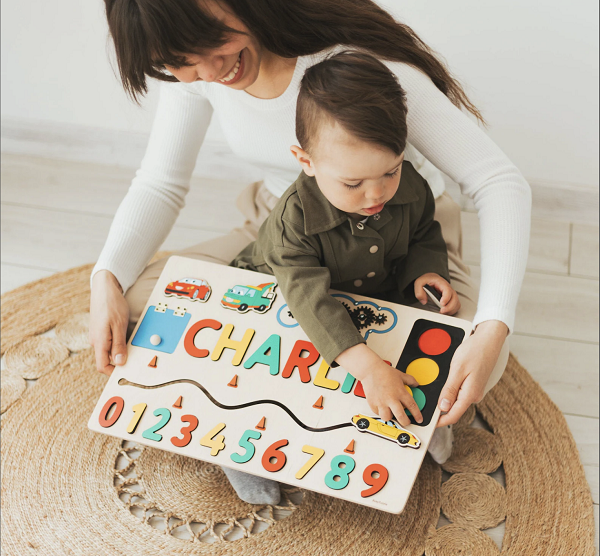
(138, 411)
(316, 453)
(212, 441)
(338, 471)
(151, 433)
(247, 445)
(375, 475)
(273, 453)
(192, 421)
(106, 421)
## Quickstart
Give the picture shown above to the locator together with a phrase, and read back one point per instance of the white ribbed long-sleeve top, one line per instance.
(261, 132)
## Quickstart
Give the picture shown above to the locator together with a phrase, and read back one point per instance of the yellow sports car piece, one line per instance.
(391, 430)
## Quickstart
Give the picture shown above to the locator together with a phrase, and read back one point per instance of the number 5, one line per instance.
(247, 445)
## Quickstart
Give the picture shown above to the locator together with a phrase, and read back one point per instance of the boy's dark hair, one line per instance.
(358, 92)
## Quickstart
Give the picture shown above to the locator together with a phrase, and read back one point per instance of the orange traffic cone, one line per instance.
(153, 362)
(233, 382)
(177, 404)
(261, 424)
(319, 403)
(350, 448)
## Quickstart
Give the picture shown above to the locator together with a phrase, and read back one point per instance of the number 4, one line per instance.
(317, 454)
(215, 443)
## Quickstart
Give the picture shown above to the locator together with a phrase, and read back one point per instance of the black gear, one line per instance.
(380, 319)
(347, 307)
(363, 317)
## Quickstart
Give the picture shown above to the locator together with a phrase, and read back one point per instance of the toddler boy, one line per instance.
(358, 219)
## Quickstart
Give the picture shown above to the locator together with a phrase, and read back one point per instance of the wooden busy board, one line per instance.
(219, 370)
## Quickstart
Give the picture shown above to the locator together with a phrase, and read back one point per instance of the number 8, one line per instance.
(341, 472)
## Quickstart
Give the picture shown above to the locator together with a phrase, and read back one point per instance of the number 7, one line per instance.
(317, 454)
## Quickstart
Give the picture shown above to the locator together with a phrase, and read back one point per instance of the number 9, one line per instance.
(376, 483)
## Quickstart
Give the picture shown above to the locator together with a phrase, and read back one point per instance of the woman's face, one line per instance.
(236, 64)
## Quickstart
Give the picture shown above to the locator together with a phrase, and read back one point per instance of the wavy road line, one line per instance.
(125, 382)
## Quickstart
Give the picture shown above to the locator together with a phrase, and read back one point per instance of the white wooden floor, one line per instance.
(56, 215)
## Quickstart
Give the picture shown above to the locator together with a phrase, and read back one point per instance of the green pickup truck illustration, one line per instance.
(243, 298)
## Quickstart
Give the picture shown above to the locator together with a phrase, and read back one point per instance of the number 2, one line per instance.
(317, 454)
(165, 416)
(215, 443)
(185, 431)
(247, 445)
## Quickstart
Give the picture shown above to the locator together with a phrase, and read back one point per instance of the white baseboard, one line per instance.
(558, 201)
(112, 147)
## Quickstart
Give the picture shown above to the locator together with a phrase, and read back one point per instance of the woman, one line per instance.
(244, 59)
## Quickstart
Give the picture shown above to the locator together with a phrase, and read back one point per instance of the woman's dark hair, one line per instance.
(359, 93)
(149, 34)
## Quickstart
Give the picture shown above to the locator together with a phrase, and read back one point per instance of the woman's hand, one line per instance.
(109, 315)
(470, 370)
(450, 304)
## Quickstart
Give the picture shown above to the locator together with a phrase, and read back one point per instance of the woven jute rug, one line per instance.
(68, 491)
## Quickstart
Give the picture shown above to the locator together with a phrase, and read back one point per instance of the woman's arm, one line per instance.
(145, 216)
(458, 147)
(152, 204)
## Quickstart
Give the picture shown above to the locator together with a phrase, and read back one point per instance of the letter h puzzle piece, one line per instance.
(162, 328)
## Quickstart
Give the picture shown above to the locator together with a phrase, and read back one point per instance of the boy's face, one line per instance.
(355, 176)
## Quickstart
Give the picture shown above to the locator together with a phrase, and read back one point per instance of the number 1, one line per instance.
(317, 454)
(138, 411)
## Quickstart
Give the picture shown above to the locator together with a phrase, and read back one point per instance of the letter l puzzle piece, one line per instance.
(160, 321)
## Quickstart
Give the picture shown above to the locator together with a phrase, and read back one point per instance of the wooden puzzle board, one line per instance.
(253, 411)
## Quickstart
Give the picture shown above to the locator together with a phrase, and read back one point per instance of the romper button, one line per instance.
(360, 226)
(370, 275)
(358, 283)
(374, 249)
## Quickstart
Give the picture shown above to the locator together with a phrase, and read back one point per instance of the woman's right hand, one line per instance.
(109, 316)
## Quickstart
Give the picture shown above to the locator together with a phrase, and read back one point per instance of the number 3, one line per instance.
(186, 431)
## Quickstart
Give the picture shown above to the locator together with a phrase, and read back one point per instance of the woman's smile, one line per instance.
(236, 73)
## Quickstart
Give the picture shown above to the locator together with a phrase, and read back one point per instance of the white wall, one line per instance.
(530, 65)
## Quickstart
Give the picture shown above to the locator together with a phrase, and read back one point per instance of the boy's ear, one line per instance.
(304, 159)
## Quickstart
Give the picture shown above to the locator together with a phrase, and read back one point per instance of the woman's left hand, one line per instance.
(470, 370)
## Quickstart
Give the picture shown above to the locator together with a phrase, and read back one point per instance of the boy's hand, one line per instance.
(449, 301)
(387, 394)
(384, 385)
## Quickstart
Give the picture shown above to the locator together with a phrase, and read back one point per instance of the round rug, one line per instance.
(12, 386)
(66, 490)
(474, 500)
